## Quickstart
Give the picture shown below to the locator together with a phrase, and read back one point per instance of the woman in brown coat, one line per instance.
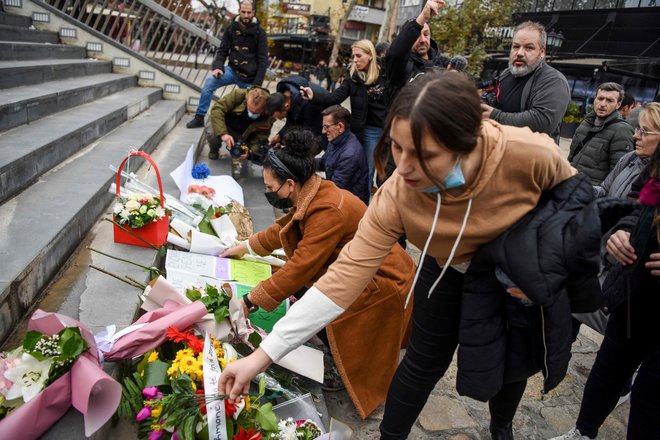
(322, 218)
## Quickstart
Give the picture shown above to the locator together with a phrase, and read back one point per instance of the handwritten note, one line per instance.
(249, 272)
(178, 261)
(261, 318)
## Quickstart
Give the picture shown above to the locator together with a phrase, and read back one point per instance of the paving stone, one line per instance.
(442, 412)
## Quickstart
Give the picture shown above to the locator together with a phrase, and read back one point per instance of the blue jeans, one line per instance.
(211, 84)
(371, 137)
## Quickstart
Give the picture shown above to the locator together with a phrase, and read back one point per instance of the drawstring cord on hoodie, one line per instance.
(428, 242)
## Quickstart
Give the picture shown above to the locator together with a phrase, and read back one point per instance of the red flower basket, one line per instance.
(155, 232)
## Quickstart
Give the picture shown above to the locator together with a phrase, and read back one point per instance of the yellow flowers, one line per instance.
(187, 363)
(153, 356)
(156, 411)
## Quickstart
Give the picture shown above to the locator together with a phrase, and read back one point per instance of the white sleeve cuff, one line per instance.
(249, 248)
(303, 320)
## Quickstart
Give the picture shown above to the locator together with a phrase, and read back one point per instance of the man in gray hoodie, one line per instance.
(530, 93)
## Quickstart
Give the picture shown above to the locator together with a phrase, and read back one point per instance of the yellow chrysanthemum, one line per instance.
(194, 387)
(247, 403)
(187, 362)
(156, 427)
(223, 363)
(153, 356)
(156, 411)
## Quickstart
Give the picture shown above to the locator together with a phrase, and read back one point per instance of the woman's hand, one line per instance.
(307, 93)
(618, 246)
(236, 251)
(236, 377)
(654, 265)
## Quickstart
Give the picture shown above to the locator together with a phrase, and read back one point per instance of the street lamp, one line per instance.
(555, 40)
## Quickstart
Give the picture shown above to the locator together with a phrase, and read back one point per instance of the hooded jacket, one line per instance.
(366, 339)
(517, 166)
(247, 48)
(345, 164)
(553, 255)
(543, 103)
(596, 149)
(302, 113)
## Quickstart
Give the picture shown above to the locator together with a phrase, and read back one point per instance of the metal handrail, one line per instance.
(169, 32)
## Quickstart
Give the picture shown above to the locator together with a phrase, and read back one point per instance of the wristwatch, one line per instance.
(252, 307)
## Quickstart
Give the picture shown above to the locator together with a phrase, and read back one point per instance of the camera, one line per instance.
(258, 157)
(489, 92)
(239, 149)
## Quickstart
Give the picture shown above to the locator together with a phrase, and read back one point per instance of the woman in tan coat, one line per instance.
(322, 218)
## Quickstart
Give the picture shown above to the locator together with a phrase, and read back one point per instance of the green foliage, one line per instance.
(266, 418)
(155, 374)
(211, 213)
(461, 30)
(573, 114)
(215, 301)
(131, 396)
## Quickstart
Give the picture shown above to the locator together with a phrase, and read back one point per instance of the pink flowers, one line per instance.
(152, 393)
(144, 414)
(204, 190)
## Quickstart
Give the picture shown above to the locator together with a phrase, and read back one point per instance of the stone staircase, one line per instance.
(63, 120)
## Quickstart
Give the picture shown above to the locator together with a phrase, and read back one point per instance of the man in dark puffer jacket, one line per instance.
(502, 340)
(603, 137)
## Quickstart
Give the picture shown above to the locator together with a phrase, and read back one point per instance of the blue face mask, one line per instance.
(253, 115)
(454, 178)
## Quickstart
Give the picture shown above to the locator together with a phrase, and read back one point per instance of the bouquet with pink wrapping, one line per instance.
(56, 367)
(149, 331)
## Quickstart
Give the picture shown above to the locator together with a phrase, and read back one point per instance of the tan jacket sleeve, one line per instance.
(360, 259)
(266, 241)
(551, 168)
(323, 231)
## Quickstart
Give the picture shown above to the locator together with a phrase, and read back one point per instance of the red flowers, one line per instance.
(191, 340)
(230, 409)
(202, 405)
(250, 434)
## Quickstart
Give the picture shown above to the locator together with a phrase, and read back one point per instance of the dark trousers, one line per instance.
(617, 359)
(432, 344)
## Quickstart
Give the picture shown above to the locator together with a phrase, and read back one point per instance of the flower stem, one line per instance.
(117, 277)
(153, 270)
(133, 280)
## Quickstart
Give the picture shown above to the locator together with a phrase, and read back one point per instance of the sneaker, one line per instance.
(573, 434)
(196, 122)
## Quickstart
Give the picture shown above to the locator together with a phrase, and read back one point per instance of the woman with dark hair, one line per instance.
(485, 177)
(321, 220)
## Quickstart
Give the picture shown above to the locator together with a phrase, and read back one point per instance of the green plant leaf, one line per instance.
(71, 342)
(155, 374)
(262, 386)
(31, 339)
(193, 294)
(221, 313)
(255, 339)
(266, 418)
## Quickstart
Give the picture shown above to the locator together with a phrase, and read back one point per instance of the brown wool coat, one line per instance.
(365, 340)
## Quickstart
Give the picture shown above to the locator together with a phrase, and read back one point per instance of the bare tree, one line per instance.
(340, 31)
(391, 12)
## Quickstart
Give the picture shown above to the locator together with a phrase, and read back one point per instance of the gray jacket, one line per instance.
(596, 149)
(543, 102)
(617, 183)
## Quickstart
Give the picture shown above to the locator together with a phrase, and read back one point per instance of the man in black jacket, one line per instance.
(413, 51)
(246, 45)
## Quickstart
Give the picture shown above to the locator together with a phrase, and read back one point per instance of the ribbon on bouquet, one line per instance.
(215, 409)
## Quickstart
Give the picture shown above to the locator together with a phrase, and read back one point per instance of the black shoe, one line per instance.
(196, 122)
(501, 432)
(214, 155)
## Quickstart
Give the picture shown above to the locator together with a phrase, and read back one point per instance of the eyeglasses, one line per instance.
(642, 132)
(326, 126)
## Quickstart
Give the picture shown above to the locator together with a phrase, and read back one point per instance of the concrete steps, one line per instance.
(28, 151)
(63, 120)
(28, 72)
(18, 50)
(46, 222)
(27, 104)
(20, 33)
